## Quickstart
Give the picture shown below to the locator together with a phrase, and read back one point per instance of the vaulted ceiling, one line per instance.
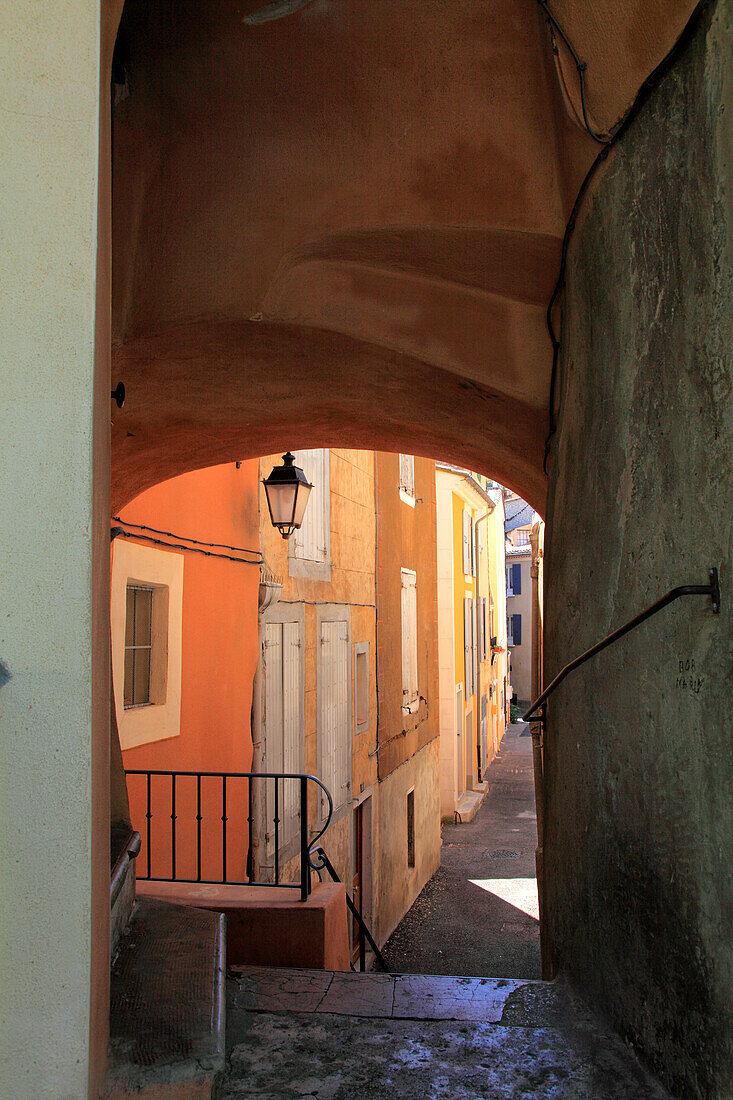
(342, 224)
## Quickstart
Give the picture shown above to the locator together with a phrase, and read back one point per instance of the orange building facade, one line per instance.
(204, 635)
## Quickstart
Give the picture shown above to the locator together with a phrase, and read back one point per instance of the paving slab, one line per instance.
(428, 996)
(412, 996)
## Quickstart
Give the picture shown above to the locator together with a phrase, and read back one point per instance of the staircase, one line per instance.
(342, 1035)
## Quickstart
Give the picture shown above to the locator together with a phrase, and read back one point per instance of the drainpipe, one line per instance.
(477, 656)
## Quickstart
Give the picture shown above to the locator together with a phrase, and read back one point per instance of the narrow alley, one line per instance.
(478, 914)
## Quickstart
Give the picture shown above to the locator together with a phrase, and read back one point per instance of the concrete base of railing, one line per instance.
(267, 927)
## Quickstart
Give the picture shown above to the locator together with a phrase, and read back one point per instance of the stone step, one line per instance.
(167, 1006)
(338, 1036)
(384, 996)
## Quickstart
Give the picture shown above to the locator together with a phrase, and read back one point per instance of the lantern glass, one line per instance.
(287, 490)
(281, 499)
(304, 491)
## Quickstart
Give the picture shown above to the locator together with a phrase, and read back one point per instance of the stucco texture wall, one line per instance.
(219, 657)
(398, 884)
(639, 833)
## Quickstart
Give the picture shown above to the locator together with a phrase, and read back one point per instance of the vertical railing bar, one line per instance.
(277, 834)
(224, 830)
(148, 815)
(250, 859)
(173, 826)
(305, 876)
(198, 828)
(362, 948)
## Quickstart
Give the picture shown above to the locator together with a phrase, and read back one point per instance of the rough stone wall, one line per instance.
(639, 833)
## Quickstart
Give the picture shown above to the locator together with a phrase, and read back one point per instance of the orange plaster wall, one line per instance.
(220, 647)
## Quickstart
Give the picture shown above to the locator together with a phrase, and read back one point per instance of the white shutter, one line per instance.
(409, 641)
(273, 723)
(467, 625)
(283, 725)
(407, 474)
(312, 541)
(466, 543)
(292, 727)
(335, 724)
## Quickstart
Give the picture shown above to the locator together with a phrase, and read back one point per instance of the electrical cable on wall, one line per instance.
(120, 533)
(185, 538)
(581, 66)
(642, 96)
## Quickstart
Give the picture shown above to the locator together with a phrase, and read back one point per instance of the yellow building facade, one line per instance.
(471, 634)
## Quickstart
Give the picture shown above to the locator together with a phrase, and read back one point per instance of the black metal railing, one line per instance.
(319, 861)
(200, 822)
(711, 589)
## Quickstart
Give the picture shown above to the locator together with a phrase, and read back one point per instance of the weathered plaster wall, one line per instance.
(405, 540)
(639, 835)
(397, 884)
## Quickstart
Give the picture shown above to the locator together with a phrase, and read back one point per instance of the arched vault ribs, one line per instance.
(213, 392)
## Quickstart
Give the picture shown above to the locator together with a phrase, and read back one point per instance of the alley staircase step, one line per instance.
(167, 1005)
(340, 1035)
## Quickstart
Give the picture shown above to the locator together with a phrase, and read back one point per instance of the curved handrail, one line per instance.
(306, 862)
(712, 589)
(314, 842)
(364, 933)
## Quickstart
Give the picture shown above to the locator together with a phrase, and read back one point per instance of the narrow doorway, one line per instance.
(362, 864)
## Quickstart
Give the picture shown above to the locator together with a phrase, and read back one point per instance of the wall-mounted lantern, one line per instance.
(287, 490)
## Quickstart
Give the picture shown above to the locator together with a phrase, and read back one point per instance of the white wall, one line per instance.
(48, 548)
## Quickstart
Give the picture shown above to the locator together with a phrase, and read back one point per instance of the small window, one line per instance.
(407, 478)
(411, 829)
(138, 646)
(361, 687)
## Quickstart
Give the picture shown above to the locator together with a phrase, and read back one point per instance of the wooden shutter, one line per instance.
(407, 474)
(273, 722)
(335, 724)
(466, 543)
(284, 748)
(517, 579)
(293, 748)
(409, 640)
(313, 541)
(517, 629)
(467, 655)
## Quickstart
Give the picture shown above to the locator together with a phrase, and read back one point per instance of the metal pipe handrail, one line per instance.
(225, 777)
(126, 856)
(364, 933)
(712, 589)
